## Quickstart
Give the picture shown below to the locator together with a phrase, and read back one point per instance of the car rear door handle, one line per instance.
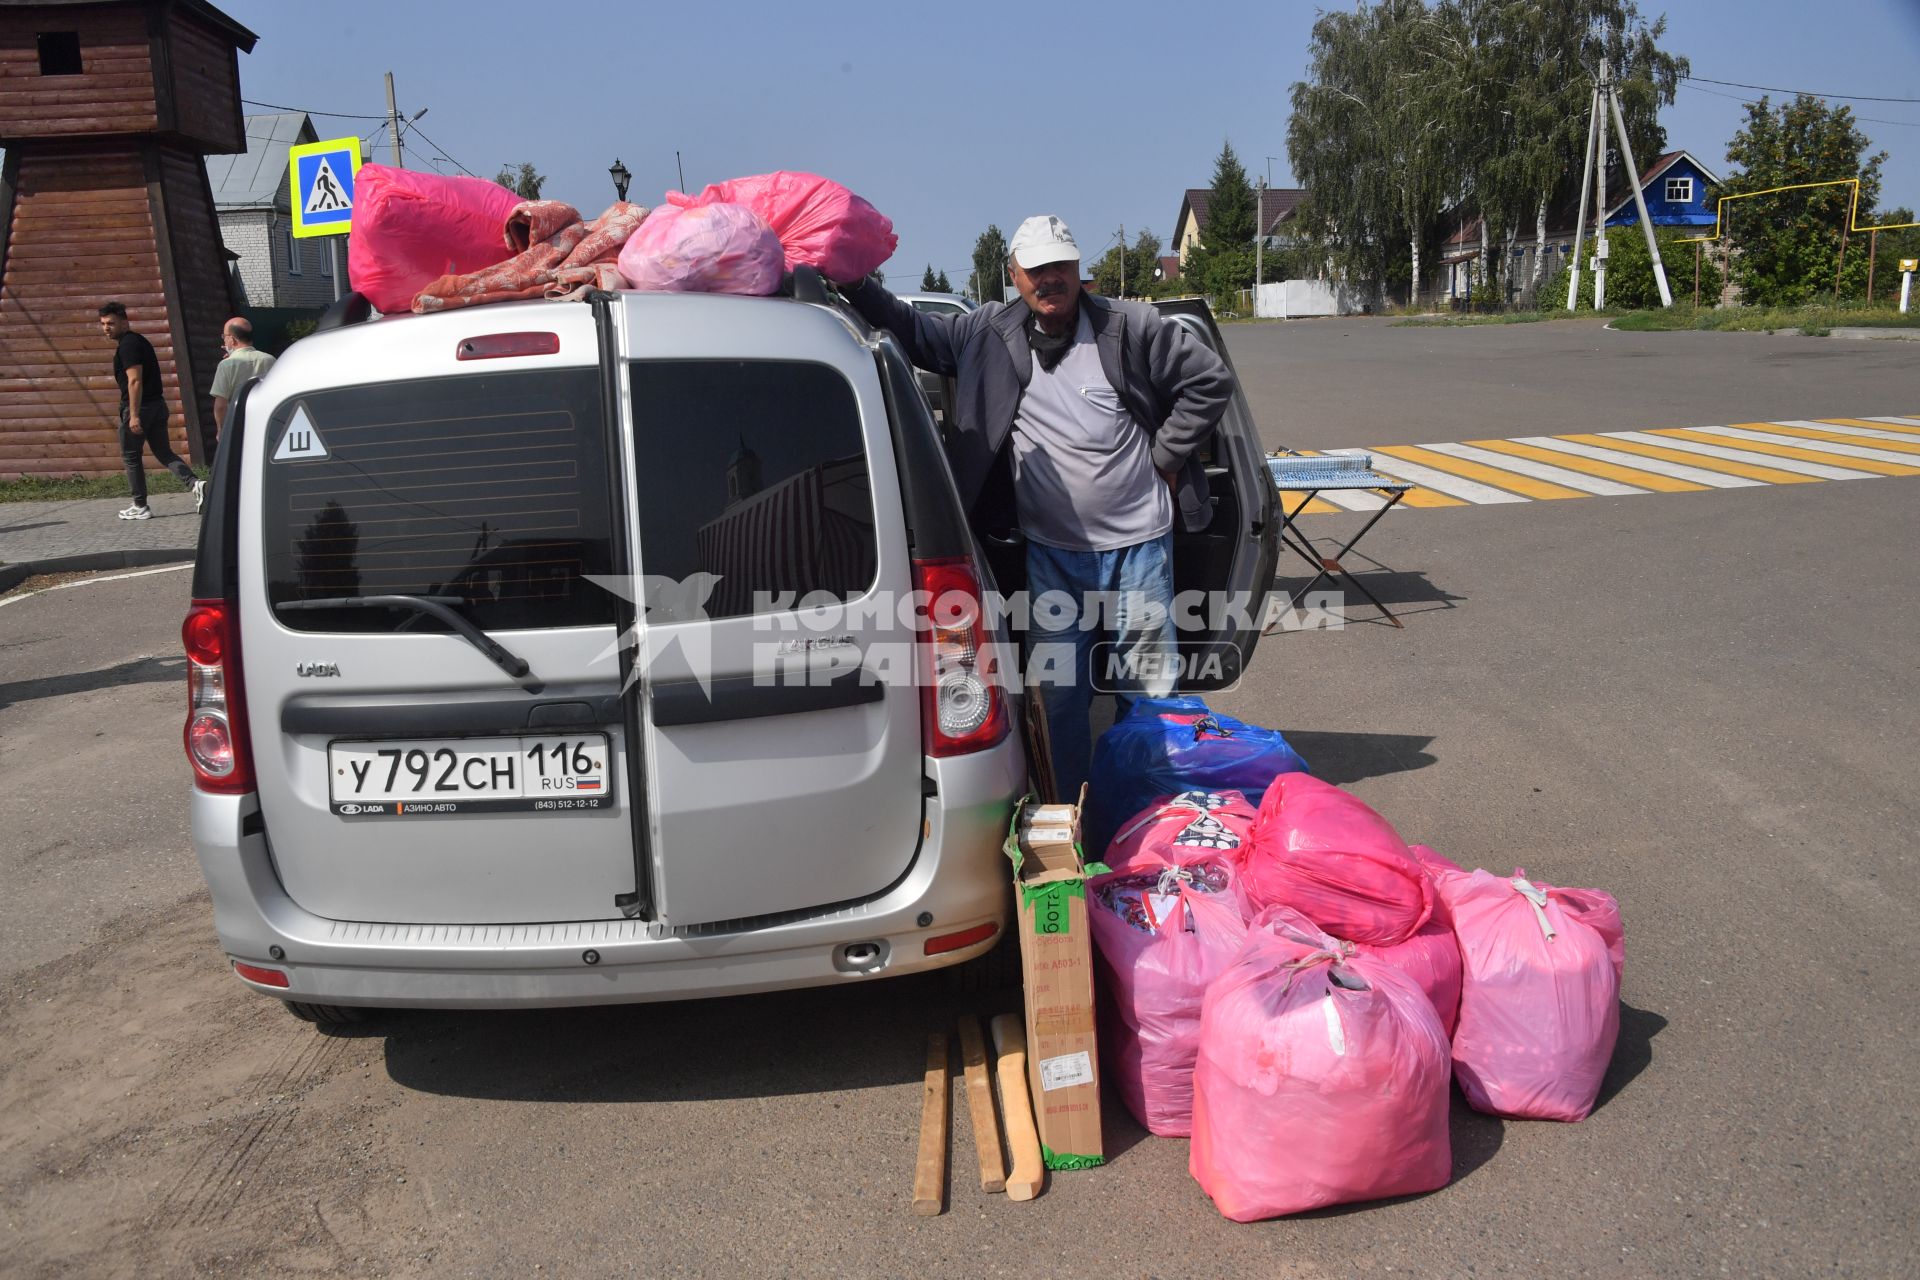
(679, 702)
(446, 719)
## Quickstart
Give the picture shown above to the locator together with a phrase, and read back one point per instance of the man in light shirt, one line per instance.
(1099, 407)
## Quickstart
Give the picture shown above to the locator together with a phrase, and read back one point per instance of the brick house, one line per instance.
(250, 195)
(1277, 207)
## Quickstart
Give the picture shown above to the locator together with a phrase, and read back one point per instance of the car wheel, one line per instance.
(326, 1015)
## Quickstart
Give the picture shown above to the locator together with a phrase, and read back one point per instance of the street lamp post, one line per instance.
(618, 172)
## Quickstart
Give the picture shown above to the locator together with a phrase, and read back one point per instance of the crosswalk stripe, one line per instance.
(1680, 438)
(1437, 459)
(1854, 455)
(1641, 479)
(1639, 463)
(1414, 497)
(1908, 424)
(1874, 436)
(1538, 470)
(1654, 447)
(1314, 507)
(1438, 481)
(1825, 455)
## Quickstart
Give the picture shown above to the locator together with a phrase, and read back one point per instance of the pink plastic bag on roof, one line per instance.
(1165, 921)
(714, 248)
(410, 229)
(1321, 1078)
(820, 223)
(1540, 1004)
(1330, 857)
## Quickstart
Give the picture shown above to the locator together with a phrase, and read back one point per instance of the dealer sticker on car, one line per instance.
(469, 775)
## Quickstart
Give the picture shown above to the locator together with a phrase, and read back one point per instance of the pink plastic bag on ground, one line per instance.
(1321, 1079)
(1431, 957)
(714, 248)
(1540, 1004)
(1327, 855)
(1165, 921)
(820, 223)
(412, 228)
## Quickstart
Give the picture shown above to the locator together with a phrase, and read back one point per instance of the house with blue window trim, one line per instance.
(1678, 190)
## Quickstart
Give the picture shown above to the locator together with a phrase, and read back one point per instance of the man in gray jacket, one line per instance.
(1100, 406)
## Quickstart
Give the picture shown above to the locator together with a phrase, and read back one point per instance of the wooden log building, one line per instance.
(107, 110)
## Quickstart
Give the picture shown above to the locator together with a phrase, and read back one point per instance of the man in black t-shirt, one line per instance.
(143, 426)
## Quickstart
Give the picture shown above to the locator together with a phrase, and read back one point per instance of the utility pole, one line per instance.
(1633, 177)
(1600, 199)
(393, 121)
(1606, 106)
(1259, 239)
(1123, 259)
(1586, 189)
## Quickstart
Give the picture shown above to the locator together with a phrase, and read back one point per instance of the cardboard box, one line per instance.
(1056, 963)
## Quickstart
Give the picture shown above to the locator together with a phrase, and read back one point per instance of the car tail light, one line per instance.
(216, 732)
(963, 708)
(265, 977)
(959, 941)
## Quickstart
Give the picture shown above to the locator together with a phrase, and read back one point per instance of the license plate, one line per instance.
(469, 775)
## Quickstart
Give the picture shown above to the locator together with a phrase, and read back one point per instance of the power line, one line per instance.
(1850, 97)
(336, 115)
(442, 150)
(1734, 97)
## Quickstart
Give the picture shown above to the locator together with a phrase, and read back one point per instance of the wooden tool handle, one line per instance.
(986, 1129)
(1016, 1107)
(930, 1169)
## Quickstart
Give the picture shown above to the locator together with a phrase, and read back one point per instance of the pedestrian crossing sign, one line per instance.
(322, 174)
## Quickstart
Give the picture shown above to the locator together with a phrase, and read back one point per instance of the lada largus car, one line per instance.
(553, 653)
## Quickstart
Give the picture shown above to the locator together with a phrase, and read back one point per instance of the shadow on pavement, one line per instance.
(1632, 1053)
(138, 671)
(1407, 592)
(820, 1040)
(1346, 758)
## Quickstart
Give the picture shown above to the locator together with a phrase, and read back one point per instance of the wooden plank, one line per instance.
(986, 1126)
(1028, 1174)
(930, 1169)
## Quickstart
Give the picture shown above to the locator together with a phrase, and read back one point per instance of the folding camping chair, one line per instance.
(1309, 477)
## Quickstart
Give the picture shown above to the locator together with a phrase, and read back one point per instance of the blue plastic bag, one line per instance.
(1169, 745)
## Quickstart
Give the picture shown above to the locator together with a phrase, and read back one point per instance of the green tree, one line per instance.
(990, 265)
(1222, 263)
(927, 279)
(1889, 248)
(1786, 247)
(1371, 138)
(941, 284)
(1140, 262)
(525, 181)
(1521, 103)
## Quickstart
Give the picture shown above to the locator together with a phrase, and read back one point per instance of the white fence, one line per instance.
(1291, 299)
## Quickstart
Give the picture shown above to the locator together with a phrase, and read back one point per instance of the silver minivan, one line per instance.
(558, 653)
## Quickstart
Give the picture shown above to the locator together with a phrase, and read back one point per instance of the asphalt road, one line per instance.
(1362, 381)
(1702, 702)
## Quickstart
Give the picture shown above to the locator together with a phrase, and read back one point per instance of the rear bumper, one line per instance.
(959, 879)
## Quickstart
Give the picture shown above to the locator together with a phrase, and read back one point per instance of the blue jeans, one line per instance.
(1120, 601)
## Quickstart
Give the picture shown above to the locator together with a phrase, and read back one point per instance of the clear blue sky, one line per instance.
(952, 116)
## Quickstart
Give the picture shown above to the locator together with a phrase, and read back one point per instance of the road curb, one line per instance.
(12, 575)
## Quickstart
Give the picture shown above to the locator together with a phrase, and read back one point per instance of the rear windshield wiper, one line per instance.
(437, 607)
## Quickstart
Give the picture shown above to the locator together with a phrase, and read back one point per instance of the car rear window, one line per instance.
(754, 471)
(490, 489)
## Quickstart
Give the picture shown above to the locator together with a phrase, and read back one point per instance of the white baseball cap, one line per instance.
(1041, 239)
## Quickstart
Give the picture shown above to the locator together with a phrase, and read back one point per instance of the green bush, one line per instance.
(1630, 282)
